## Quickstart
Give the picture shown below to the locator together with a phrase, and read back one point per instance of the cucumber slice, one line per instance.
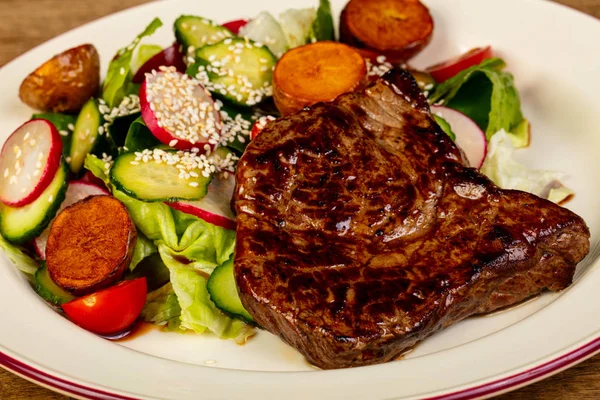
(21, 224)
(159, 175)
(193, 32)
(85, 135)
(236, 69)
(48, 290)
(223, 292)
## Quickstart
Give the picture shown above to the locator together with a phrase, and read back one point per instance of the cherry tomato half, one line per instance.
(446, 70)
(109, 310)
(235, 26)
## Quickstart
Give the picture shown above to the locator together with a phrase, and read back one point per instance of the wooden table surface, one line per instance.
(27, 23)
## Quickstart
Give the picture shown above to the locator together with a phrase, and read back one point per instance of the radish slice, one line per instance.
(78, 190)
(171, 56)
(28, 162)
(260, 124)
(469, 137)
(235, 26)
(179, 111)
(215, 206)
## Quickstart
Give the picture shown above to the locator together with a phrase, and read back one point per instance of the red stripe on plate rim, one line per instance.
(585, 351)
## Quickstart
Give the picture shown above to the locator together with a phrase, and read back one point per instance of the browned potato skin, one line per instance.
(65, 82)
(90, 245)
(349, 34)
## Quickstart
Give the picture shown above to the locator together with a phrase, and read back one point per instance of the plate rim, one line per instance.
(37, 375)
(562, 359)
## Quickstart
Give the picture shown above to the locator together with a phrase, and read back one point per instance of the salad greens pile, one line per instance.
(487, 94)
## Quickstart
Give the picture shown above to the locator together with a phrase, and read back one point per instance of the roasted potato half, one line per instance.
(65, 82)
(397, 29)
(90, 245)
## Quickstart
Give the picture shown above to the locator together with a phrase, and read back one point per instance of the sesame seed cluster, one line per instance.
(182, 107)
(240, 88)
(189, 163)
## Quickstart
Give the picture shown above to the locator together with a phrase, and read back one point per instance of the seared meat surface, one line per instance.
(361, 231)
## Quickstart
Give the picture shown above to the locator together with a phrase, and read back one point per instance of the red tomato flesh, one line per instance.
(235, 26)
(110, 310)
(446, 70)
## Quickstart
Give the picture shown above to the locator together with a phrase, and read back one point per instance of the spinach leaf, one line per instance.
(484, 93)
(118, 79)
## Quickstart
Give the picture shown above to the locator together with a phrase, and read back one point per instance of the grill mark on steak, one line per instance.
(361, 232)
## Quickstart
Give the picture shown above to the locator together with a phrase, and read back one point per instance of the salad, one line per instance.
(115, 199)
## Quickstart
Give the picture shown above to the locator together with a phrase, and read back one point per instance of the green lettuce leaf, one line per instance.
(322, 27)
(506, 172)
(144, 247)
(17, 255)
(118, 79)
(484, 93)
(144, 53)
(191, 249)
(198, 312)
(161, 306)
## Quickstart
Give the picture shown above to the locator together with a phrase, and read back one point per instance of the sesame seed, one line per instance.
(32, 142)
(173, 142)
(193, 184)
(50, 198)
(71, 127)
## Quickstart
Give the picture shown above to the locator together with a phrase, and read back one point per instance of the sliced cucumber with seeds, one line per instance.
(193, 32)
(48, 290)
(142, 177)
(223, 292)
(236, 69)
(85, 135)
(21, 224)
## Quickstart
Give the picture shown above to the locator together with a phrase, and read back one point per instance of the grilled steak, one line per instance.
(361, 232)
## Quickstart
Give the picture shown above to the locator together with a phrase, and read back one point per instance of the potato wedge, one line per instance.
(397, 29)
(316, 72)
(65, 82)
(90, 244)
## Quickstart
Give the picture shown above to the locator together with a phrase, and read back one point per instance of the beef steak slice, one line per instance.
(360, 231)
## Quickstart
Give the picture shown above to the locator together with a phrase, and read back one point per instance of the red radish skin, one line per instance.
(162, 134)
(469, 137)
(214, 207)
(443, 71)
(92, 179)
(36, 148)
(260, 124)
(171, 56)
(78, 190)
(235, 26)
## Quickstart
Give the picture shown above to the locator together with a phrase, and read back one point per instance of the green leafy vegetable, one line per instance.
(19, 257)
(139, 137)
(322, 27)
(161, 306)
(484, 93)
(62, 123)
(198, 312)
(118, 79)
(445, 126)
(191, 249)
(144, 247)
(506, 172)
(144, 53)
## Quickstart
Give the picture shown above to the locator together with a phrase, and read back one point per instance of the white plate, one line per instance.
(554, 54)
